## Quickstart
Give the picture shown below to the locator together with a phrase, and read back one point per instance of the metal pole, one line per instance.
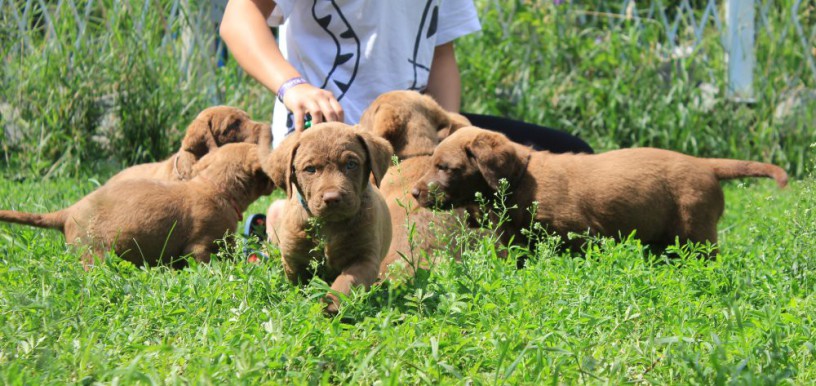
(740, 54)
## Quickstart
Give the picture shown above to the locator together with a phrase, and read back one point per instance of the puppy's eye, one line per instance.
(351, 165)
(310, 169)
(443, 167)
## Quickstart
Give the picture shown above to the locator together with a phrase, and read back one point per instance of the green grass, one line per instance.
(613, 316)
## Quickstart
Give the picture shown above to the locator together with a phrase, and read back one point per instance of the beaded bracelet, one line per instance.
(289, 84)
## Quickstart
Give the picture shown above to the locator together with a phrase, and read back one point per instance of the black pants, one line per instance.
(538, 137)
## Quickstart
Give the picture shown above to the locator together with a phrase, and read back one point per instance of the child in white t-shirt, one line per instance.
(336, 56)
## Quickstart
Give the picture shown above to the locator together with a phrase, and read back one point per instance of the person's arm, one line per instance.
(244, 30)
(444, 82)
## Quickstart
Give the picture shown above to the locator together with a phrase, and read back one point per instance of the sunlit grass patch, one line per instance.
(616, 314)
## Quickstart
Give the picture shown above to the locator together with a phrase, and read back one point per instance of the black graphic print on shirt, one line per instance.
(347, 46)
(427, 29)
(347, 49)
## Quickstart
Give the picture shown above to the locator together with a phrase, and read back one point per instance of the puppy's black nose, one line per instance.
(415, 193)
(331, 197)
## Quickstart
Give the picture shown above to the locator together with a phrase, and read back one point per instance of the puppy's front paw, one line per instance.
(331, 310)
(332, 306)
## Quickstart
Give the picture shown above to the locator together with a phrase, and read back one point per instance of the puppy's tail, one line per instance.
(54, 220)
(727, 169)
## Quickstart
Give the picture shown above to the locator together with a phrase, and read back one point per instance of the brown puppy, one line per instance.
(662, 194)
(333, 216)
(413, 123)
(213, 127)
(151, 221)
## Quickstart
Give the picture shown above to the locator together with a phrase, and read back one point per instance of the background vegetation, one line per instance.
(117, 83)
(619, 82)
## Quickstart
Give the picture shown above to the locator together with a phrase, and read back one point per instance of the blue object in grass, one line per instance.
(255, 225)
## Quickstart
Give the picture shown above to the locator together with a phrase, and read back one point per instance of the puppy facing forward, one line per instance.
(661, 194)
(151, 221)
(333, 215)
(213, 127)
(413, 123)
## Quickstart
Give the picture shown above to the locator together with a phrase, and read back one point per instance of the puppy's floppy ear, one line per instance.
(386, 120)
(367, 118)
(455, 121)
(389, 123)
(226, 127)
(378, 151)
(495, 156)
(198, 139)
(290, 170)
(279, 164)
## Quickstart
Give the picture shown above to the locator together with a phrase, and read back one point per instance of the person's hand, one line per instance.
(307, 99)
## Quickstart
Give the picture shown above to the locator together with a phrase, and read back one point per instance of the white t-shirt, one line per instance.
(359, 49)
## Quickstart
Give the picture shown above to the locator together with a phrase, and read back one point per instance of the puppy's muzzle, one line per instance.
(428, 195)
(332, 198)
(335, 205)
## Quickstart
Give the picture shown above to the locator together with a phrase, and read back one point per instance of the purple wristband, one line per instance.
(289, 84)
